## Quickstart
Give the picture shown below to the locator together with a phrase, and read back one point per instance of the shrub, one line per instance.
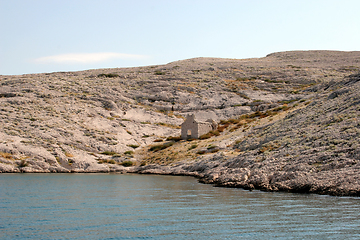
(108, 75)
(257, 114)
(282, 108)
(127, 163)
(215, 133)
(175, 139)
(129, 153)
(226, 123)
(192, 146)
(209, 134)
(214, 150)
(205, 136)
(201, 152)
(108, 153)
(233, 121)
(156, 148)
(221, 128)
(134, 146)
(159, 73)
(288, 101)
(106, 161)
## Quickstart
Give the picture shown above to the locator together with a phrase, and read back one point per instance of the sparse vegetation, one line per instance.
(110, 161)
(6, 155)
(201, 152)
(108, 153)
(159, 72)
(133, 146)
(127, 163)
(128, 152)
(193, 147)
(160, 147)
(209, 135)
(108, 75)
(175, 139)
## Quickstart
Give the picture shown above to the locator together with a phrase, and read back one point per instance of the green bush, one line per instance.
(192, 146)
(108, 153)
(129, 153)
(127, 163)
(134, 146)
(108, 75)
(106, 161)
(111, 161)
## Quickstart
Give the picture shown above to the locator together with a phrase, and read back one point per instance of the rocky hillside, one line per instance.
(311, 146)
(288, 121)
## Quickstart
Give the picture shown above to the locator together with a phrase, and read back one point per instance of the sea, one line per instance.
(132, 206)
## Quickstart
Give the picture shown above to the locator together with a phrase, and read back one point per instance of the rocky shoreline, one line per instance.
(217, 173)
(251, 178)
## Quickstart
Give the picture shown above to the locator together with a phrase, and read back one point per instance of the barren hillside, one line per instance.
(287, 117)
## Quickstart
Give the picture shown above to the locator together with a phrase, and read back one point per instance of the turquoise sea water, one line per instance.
(112, 206)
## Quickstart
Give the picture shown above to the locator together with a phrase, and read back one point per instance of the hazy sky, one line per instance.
(68, 35)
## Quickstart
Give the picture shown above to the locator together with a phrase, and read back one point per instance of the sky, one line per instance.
(38, 36)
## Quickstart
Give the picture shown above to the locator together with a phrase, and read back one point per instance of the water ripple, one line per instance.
(110, 206)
